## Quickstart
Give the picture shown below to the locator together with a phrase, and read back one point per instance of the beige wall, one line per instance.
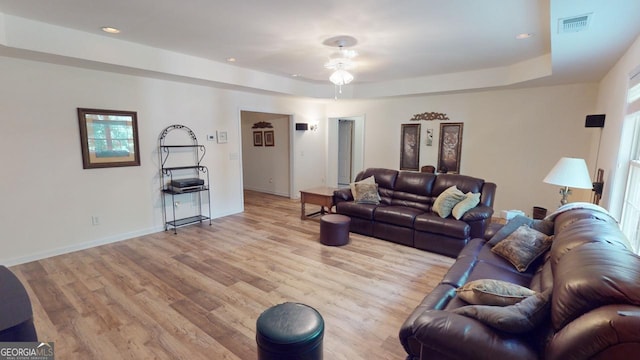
(49, 199)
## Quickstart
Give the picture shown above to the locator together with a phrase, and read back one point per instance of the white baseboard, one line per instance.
(89, 244)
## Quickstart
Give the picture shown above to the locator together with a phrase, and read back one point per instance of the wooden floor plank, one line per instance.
(198, 294)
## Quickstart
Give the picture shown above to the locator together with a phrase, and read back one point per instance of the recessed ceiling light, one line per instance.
(523, 36)
(295, 75)
(110, 30)
(231, 59)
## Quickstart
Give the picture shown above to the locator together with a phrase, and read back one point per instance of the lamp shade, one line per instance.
(570, 172)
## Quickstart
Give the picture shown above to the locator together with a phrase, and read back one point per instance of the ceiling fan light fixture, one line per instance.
(341, 77)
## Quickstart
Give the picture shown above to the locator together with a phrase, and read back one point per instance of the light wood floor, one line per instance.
(197, 295)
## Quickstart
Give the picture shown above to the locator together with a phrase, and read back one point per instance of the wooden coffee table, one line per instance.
(322, 196)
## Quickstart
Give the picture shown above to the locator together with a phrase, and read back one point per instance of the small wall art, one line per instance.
(257, 138)
(429, 141)
(269, 138)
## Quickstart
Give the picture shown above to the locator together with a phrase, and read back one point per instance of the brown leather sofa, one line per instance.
(404, 214)
(594, 306)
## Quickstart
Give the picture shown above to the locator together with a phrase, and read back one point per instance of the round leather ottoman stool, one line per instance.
(290, 331)
(334, 230)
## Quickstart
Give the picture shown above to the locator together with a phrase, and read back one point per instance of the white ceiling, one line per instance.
(402, 39)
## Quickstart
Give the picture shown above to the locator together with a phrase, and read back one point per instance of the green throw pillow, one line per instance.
(447, 200)
(470, 201)
(493, 292)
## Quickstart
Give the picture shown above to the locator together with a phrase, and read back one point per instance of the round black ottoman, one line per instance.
(290, 331)
(334, 230)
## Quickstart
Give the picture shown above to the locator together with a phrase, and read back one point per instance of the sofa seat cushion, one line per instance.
(397, 215)
(353, 209)
(431, 222)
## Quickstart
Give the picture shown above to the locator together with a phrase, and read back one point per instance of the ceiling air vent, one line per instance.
(574, 23)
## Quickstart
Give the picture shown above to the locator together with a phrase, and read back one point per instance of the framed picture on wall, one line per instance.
(410, 147)
(257, 138)
(450, 147)
(108, 138)
(268, 138)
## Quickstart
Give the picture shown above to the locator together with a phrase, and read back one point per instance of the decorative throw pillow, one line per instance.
(447, 200)
(369, 180)
(518, 318)
(493, 292)
(523, 246)
(470, 201)
(544, 226)
(367, 194)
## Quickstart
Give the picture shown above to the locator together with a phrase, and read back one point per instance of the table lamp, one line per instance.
(569, 172)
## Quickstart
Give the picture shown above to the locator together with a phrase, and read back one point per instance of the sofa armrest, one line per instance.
(614, 326)
(481, 212)
(341, 195)
(440, 333)
(491, 230)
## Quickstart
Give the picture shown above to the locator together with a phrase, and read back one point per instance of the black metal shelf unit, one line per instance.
(191, 171)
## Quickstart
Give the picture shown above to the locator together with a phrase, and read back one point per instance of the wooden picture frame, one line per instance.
(269, 138)
(450, 147)
(108, 138)
(257, 138)
(410, 147)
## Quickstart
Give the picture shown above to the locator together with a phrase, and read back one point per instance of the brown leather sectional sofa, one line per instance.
(593, 310)
(404, 214)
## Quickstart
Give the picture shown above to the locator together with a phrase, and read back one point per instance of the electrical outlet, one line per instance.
(95, 220)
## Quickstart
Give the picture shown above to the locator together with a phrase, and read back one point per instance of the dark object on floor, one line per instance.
(290, 331)
(539, 212)
(334, 230)
(16, 316)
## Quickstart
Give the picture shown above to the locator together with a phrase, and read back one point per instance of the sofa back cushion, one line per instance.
(385, 178)
(590, 276)
(580, 232)
(414, 189)
(462, 182)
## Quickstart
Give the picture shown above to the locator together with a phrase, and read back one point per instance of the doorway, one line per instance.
(345, 151)
(266, 155)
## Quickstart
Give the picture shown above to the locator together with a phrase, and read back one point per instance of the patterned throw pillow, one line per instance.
(544, 226)
(470, 201)
(493, 292)
(367, 194)
(523, 246)
(369, 180)
(447, 200)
